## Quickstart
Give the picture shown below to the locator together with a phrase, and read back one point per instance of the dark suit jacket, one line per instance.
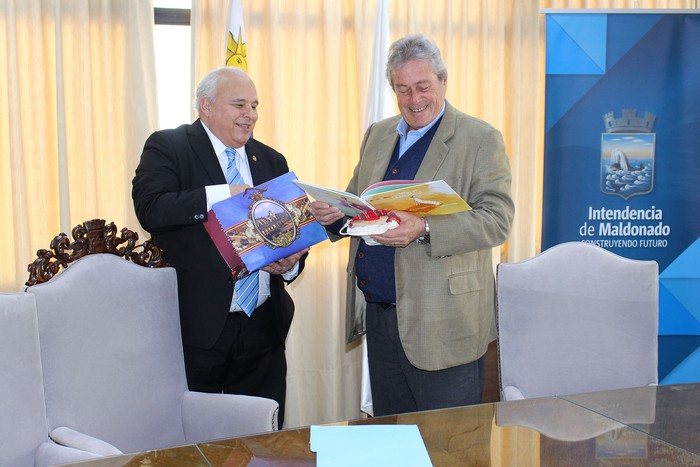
(170, 202)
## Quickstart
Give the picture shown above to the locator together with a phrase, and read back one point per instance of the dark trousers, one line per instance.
(398, 386)
(243, 361)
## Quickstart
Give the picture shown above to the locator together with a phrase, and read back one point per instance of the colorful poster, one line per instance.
(622, 154)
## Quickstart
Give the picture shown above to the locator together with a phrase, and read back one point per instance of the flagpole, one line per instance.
(380, 105)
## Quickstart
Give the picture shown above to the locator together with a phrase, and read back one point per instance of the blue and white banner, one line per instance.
(622, 154)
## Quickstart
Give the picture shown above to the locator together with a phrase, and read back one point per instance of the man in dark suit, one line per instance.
(183, 172)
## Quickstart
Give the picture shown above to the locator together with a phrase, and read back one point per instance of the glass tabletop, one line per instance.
(546, 431)
(670, 413)
(640, 426)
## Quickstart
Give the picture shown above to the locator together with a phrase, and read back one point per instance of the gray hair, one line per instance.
(414, 47)
(207, 87)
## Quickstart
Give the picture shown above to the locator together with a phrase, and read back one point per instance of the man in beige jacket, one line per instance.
(429, 286)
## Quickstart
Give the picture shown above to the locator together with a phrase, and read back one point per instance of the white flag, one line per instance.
(380, 105)
(235, 37)
(380, 99)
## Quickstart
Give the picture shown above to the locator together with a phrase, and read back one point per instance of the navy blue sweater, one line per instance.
(374, 265)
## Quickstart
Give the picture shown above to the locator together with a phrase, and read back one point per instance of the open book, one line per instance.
(419, 197)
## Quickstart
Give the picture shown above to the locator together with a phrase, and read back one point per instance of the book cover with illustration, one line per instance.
(419, 197)
(263, 224)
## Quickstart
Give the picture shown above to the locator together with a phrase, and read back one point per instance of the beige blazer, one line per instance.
(444, 290)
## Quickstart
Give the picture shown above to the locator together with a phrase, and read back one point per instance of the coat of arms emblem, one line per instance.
(627, 154)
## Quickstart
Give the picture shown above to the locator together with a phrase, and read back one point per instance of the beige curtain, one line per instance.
(77, 101)
(310, 61)
(77, 97)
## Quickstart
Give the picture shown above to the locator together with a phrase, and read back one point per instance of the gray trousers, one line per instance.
(398, 386)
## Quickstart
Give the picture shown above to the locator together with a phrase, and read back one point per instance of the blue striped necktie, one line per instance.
(247, 287)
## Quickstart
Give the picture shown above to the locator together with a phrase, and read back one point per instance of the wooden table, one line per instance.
(642, 426)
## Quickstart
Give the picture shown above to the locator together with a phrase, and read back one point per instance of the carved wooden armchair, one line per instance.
(111, 350)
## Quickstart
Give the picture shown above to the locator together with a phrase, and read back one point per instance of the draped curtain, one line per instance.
(310, 62)
(77, 82)
(77, 102)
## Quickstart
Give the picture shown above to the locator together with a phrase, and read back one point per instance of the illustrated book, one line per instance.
(419, 197)
(263, 224)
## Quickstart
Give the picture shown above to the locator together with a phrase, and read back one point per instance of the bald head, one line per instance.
(226, 101)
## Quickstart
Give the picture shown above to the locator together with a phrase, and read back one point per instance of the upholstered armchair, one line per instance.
(576, 318)
(111, 351)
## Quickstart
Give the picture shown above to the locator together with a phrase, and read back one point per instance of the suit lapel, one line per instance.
(204, 152)
(382, 154)
(258, 170)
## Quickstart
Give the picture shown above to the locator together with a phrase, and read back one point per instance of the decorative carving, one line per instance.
(93, 236)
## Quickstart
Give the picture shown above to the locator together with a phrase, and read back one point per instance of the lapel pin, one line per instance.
(255, 158)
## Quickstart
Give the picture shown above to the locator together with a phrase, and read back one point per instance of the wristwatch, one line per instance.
(425, 239)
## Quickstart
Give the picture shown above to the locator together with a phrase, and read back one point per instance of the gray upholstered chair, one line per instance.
(23, 428)
(576, 318)
(113, 362)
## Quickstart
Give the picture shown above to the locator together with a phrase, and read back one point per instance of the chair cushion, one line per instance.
(71, 438)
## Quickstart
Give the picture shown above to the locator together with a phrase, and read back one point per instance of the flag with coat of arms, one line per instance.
(235, 37)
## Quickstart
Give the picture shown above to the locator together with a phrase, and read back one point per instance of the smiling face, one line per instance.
(419, 92)
(232, 114)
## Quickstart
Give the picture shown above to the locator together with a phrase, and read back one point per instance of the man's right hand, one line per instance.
(237, 188)
(324, 213)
